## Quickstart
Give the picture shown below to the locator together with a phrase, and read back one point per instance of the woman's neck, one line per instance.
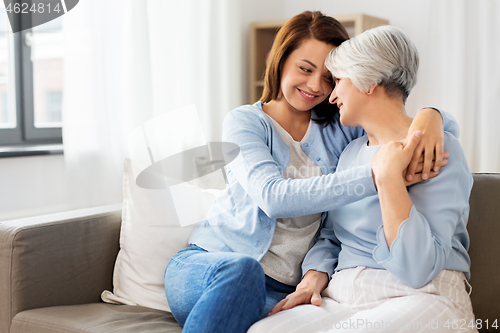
(388, 121)
(293, 121)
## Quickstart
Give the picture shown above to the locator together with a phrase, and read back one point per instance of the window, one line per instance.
(31, 84)
(7, 77)
(53, 109)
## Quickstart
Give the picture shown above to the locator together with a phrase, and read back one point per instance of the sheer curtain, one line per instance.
(128, 61)
(463, 74)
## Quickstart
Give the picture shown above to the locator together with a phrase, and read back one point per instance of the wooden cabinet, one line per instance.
(262, 36)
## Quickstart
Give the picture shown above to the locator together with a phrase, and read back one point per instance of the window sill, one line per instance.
(31, 150)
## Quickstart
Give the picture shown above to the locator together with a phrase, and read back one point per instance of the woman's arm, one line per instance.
(450, 124)
(262, 178)
(318, 265)
(429, 154)
(430, 121)
(388, 165)
(416, 236)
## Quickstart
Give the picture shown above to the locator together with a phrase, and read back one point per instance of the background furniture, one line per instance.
(262, 36)
(53, 269)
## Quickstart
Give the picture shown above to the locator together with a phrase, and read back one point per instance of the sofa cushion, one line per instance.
(94, 317)
(151, 234)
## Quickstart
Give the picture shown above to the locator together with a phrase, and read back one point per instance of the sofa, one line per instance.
(53, 269)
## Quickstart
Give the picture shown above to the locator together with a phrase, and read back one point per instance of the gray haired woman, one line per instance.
(398, 260)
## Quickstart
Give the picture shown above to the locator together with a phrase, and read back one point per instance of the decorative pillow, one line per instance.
(151, 234)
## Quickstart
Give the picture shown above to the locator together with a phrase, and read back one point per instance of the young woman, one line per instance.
(245, 257)
(400, 257)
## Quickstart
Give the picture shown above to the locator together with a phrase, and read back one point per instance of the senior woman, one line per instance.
(397, 260)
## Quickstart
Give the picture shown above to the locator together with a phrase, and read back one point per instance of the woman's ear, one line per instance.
(372, 89)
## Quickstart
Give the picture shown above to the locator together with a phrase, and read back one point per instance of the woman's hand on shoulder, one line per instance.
(417, 177)
(307, 292)
(391, 161)
(431, 147)
(393, 156)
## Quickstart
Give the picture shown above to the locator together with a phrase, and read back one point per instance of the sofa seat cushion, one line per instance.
(94, 317)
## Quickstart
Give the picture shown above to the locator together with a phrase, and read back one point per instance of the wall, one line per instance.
(32, 185)
(254, 11)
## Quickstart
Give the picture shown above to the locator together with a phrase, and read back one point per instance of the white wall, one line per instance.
(32, 185)
(254, 11)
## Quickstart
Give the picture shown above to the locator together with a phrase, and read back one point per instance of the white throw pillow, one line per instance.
(151, 234)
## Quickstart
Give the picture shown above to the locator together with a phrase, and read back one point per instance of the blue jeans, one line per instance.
(219, 291)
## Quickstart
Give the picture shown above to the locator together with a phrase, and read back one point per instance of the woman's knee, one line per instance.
(183, 286)
(237, 276)
(245, 267)
(244, 275)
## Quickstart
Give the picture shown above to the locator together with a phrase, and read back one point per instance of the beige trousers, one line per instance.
(372, 300)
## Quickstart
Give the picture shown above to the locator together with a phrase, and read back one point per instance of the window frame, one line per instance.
(25, 134)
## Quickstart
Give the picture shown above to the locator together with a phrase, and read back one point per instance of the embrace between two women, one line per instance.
(325, 199)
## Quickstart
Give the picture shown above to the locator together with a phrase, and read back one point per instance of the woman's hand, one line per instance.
(388, 166)
(307, 292)
(418, 173)
(430, 123)
(393, 158)
(386, 155)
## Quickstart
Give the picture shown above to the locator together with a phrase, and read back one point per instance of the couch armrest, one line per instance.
(57, 259)
(484, 232)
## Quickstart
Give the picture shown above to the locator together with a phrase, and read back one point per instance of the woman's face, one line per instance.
(349, 100)
(305, 81)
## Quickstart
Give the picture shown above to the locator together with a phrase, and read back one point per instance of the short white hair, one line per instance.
(384, 56)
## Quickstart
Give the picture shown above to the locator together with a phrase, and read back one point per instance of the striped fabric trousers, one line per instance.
(373, 300)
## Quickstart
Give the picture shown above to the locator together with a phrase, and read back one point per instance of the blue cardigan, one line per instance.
(433, 238)
(243, 218)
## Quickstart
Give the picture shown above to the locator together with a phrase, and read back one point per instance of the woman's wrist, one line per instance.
(315, 280)
(387, 181)
(429, 112)
(382, 176)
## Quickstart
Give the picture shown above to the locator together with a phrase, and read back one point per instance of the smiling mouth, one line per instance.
(339, 105)
(307, 96)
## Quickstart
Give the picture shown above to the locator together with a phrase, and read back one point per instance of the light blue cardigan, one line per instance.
(243, 218)
(433, 238)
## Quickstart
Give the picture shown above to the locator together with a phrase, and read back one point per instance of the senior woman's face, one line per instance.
(349, 100)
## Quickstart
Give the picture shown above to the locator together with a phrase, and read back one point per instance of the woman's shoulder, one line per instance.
(456, 172)
(452, 145)
(246, 118)
(246, 112)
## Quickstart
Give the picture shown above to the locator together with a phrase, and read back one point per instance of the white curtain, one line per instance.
(463, 71)
(128, 61)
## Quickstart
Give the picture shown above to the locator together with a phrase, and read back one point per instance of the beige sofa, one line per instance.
(53, 269)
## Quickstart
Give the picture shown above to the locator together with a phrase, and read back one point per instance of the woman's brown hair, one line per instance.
(299, 28)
